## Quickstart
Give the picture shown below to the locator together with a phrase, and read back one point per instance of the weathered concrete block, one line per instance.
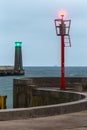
(78, 87)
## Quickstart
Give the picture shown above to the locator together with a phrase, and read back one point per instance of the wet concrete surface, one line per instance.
(72, 121)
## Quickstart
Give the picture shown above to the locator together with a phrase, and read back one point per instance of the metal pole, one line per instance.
(62, 29)
(62, 58)
(62, 64)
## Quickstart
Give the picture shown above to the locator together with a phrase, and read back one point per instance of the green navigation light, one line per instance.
(18, 44)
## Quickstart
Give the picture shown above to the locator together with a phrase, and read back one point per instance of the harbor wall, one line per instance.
(24, 88)
(21, 86)
(43, 111)
(50, 82)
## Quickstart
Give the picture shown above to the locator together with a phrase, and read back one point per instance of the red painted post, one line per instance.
(62, 29)
(62, 64)
(62, 56)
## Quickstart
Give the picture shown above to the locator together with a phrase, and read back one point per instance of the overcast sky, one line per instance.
(32, 22)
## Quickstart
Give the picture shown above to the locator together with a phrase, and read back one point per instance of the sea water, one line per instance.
(6, 82)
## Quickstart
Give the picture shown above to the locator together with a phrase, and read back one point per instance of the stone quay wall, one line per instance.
(43, 111)
(70, 82)
(23, 88)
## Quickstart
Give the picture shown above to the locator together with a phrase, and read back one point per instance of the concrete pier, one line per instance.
(72, 121)
(25, 88)
(9, 71)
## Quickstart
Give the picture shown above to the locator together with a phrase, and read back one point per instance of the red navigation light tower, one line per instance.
(62, 29)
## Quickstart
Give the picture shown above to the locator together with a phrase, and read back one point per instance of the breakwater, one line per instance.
(22, 92)
(24, 88)
(51, 82)
(49, 110)
(9, 71)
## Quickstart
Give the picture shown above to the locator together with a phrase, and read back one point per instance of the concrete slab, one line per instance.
(73, 121)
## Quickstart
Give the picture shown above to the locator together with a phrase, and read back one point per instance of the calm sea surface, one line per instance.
(6, 82)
